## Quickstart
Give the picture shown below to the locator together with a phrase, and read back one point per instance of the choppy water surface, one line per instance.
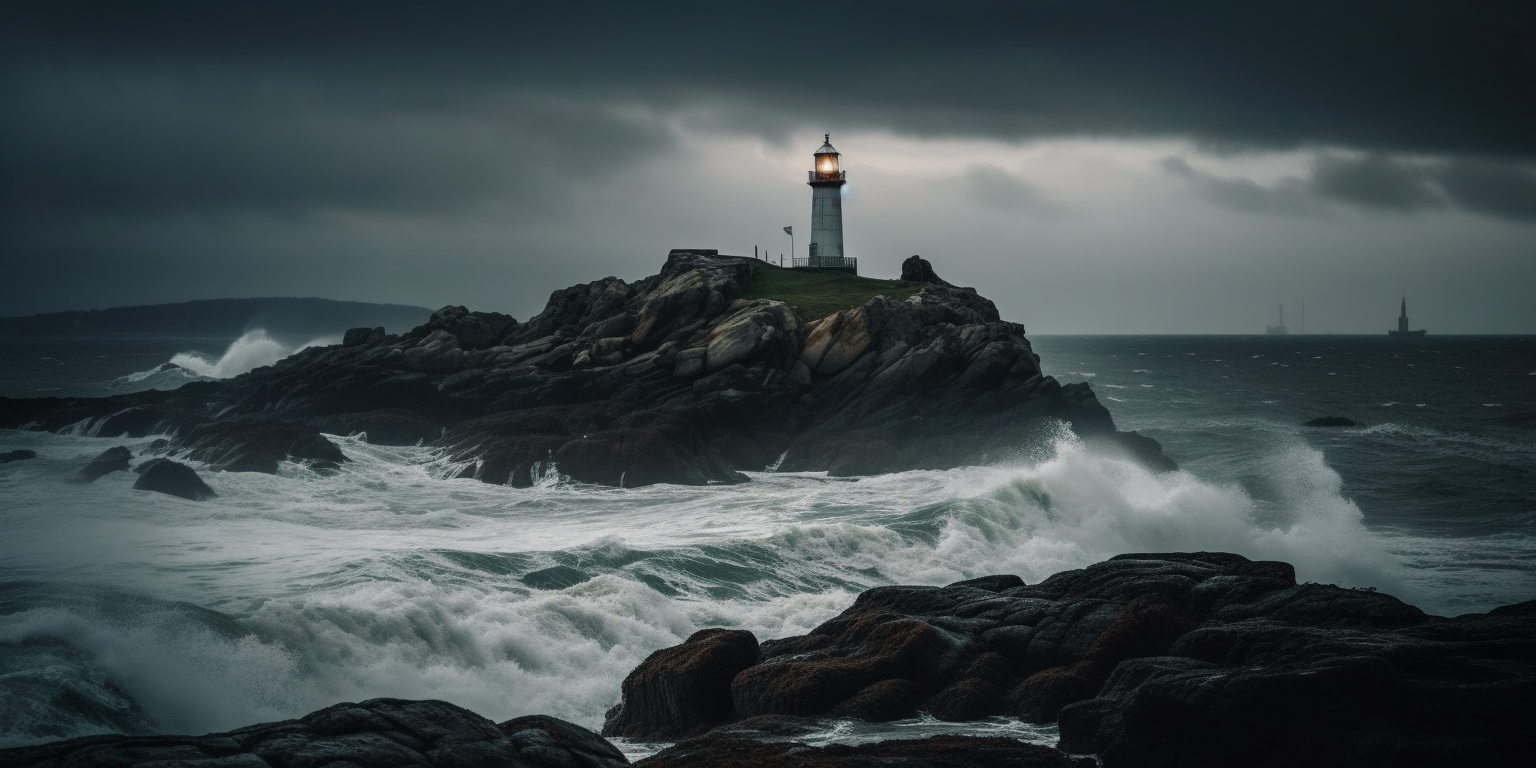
(130, 611)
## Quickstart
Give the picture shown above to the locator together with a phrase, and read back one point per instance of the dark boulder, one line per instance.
(380, 733)
(174, 478)
(931, 752)
(1148, 659)
(258, 445)
(17, 455)
(683, 690)
(1332, 421)
(113, 459)
(470, 330)
(916, 269)
(541, 740)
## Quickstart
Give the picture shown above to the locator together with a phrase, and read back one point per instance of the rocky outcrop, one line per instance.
(917, 270)
(173, 478)
(381, 733)
(676, 378)
(1152, 659)
(113, 459)
(17, 455)
(258, 445)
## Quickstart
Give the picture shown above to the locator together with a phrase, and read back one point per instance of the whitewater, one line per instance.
(134, 612)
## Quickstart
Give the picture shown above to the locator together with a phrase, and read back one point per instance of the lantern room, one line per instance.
(825, 166)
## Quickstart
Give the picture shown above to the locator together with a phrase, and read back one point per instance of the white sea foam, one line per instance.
(382, 579)
(250, 351)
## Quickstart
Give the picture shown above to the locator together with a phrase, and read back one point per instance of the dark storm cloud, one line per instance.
(1375, 182)
(120, 120)
(139, 146)
(1405, 75)
(1290, 196)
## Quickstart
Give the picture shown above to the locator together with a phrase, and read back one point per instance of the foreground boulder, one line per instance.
(173, 478)
(1147, 660)
(683, 377)
(381, 733)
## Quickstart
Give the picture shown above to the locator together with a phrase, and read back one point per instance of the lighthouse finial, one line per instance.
(827, 138)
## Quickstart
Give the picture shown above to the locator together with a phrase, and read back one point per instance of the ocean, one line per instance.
(134, 612)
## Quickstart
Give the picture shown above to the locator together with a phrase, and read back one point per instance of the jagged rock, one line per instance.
(258, 445)
(917, 270)
(467, 330)
(683, 690)
(357, 337)
(113, 459)
(675, 378)
(1201, 658)
(17, 455)
(380, 733)
(1332, 421)
(173, 478)
(931, 752)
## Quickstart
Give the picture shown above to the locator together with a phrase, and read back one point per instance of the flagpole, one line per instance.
(791, 232)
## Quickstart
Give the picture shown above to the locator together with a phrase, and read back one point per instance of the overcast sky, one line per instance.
(1093, 167)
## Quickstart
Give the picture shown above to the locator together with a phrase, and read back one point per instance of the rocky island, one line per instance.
(714, 365)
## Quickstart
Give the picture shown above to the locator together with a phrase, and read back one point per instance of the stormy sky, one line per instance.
(1092, 166)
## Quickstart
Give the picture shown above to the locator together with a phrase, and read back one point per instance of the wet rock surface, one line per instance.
(173, 478)
(113, 459)
(932, 752)
(676, 378)
(1150, 659)
(380, 733)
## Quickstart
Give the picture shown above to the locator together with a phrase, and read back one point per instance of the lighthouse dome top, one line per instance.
(826, 146)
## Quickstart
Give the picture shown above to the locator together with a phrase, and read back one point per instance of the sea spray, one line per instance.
(293, 591)
(252, 350)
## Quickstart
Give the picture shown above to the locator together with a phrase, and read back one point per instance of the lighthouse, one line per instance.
(827, 180)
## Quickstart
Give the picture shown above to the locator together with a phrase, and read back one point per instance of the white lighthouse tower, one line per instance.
(827, 180)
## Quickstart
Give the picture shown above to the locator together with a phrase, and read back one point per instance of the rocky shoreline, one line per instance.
(1172, 659)
(677, 378)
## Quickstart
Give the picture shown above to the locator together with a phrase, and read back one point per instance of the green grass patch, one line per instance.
(818, 294)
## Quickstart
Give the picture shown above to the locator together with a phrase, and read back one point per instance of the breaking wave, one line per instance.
(252, 350)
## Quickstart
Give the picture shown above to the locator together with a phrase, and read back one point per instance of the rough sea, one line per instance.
(134, 612)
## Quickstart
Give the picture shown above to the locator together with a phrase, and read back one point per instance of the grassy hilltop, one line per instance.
(819, 294)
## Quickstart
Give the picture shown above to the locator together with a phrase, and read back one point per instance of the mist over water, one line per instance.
(129, 611)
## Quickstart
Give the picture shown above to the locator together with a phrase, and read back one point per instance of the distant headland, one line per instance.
(218, 317)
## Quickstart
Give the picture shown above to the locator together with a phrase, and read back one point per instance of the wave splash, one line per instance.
(383, 580)
(252, 350)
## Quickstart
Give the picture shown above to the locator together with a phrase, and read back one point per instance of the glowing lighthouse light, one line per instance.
(827, 181)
